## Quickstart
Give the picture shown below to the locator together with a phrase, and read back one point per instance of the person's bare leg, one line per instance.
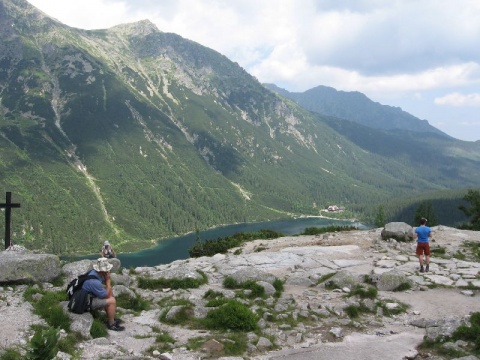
(110, 309)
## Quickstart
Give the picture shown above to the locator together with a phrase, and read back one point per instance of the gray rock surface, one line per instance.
(25, 267)
(398, 230)
(309, 320)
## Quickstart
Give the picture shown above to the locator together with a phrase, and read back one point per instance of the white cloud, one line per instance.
(87, 14)
(458, 100)
(291, 69)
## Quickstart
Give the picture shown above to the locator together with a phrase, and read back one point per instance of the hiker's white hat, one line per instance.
(105, 243)
(102, 265)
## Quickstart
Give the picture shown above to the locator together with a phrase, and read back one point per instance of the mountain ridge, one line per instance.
(331, 102)
(133, 134)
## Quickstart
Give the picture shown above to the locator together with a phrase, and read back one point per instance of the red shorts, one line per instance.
(423, 248)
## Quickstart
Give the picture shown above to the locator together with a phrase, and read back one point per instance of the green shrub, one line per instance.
(256, 290)
(162, 283)
(69, 342)
(212, 294)
(236, 344)
(136, 304)
(369, 293)
(403, 287)
(230, 283)
(278, 285)
(331, 285)
(439, 250)
(470, 333)
(325, 277)
(322, 230)
(98, 329)
(196, 343)
(169, 302)
(216, 302)
(164, 337)
(49, 308)
(43, 345)
(11, 354)
(183, 316)
(222, 245)
(231, 316)
(352, 311)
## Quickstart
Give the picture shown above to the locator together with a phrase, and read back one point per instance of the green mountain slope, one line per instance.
(131, 134)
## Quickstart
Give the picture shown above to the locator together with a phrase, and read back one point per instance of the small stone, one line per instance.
(337, 332)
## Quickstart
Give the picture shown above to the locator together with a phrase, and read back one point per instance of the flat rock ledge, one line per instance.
(310, 320)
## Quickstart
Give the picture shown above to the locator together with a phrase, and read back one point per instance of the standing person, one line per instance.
(102, 295)
(107, 251)
(423, 234)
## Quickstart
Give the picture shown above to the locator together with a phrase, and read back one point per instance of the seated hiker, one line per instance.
(107, 251)
(102, 295)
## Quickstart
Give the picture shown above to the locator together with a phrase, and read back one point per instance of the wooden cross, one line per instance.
(8, 214)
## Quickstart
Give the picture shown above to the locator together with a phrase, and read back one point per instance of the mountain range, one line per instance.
(132, 134)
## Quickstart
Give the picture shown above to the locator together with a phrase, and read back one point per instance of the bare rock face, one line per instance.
(344, 279)
(252, 274)
(24, 267)
(392, 280)
(397, 230)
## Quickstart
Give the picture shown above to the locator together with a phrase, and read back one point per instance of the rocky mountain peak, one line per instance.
(139, 28)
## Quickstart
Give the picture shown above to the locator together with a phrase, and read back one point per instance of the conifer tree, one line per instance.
(473, 197)
(380, 218)
(425, 210)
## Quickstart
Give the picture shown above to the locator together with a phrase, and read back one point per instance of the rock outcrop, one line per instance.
(397, 230)
(22, 267)
(358, 290)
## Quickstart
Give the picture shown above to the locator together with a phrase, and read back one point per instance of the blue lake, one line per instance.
(172, 249)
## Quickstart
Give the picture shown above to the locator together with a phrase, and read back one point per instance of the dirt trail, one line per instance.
(439, 303)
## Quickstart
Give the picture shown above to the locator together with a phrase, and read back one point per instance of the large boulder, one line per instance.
(181, 273)
(80, 323)
(392, 280)
(253, 274)
(76, 268)
(73, 269)
(399, 231)
(344, 279)
(25, 267)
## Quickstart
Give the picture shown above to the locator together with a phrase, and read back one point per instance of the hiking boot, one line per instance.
(115, 327)
(118, 321)
(421, 269)
(427, 268)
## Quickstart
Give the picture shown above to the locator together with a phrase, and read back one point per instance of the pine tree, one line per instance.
(380, 218)
(425, 210)
(473, 197)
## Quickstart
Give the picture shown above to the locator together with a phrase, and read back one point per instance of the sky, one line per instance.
(420, 55)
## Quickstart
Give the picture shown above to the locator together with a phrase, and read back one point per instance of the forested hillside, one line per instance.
(131, 134)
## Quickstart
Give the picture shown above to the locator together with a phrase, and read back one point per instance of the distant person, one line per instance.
(423, 234)
(107, 251)
(102, 296)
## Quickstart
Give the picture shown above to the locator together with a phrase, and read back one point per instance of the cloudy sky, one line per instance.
(420, 55)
